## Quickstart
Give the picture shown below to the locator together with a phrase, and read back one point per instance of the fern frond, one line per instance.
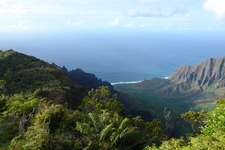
(124, 133)
(125, 123)
(96, 121)
(105, 132)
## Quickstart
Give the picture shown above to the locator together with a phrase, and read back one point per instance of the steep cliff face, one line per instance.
(199, 83)
(194, 87)
(207, 73)
(195, 79)
(87, 80)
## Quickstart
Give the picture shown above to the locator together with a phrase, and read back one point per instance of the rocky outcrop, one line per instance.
(175, 88)
(206, 73)
(190, 80)
(87, 80)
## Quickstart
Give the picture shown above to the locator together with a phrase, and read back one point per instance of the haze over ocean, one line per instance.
(116, 56)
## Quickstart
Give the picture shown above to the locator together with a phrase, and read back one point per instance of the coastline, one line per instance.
(130, 82)
(133, 82)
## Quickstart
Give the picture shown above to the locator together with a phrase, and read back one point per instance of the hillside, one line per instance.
(193, 87)
(208, 76)
(209, 72)
(197, 84)
(27, 74)
(43, 108)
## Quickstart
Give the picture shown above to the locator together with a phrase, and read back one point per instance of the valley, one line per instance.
(49, 107)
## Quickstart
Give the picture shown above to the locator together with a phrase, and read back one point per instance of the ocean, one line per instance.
(119, 57)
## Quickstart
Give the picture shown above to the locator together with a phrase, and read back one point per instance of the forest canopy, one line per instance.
(99, 123)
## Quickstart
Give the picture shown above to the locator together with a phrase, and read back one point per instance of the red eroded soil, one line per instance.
(143, 84)
(205, 100)
(54, 96)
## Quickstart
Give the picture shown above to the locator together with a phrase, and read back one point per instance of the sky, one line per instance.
(80, 33)
(157, 15)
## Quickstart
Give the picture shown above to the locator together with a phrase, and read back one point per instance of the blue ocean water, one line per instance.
(120, 56)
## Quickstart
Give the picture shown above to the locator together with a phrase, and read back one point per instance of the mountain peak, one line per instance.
(207, 72)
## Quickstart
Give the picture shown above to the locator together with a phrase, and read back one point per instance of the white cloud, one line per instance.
(131, 24)
(3, 3)
(143, 1)
(164, 12)
(217, 7)
(185, 28)
(186, 17)
(77, 23)
(169, 24)
(68, 22)
(16, 9)
(21, 25)
(114, 23)
(209, 28)
(145, 25)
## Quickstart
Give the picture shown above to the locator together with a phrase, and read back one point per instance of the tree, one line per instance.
(210, 127)
(2, 83)
(101, 125)
(220, 102)
(196, 119)
(101, 99)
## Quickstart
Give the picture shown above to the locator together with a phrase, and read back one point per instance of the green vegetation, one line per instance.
(145, 99)
(42, 109)
(210, 127)
(156, 95)
(24, 74)
(100, 123)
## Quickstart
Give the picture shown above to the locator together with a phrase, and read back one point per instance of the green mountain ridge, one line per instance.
(196, 83)
(194, 87)
(27, 74)
(199, 83)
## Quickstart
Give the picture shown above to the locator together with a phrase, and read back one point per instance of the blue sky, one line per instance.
(35, 15)
(101, 36)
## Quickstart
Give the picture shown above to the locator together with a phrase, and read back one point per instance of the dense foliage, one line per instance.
(100, 123)
(26, 74)
(210, 127)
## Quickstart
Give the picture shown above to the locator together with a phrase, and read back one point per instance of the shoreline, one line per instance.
(128, 82)
(133, 82)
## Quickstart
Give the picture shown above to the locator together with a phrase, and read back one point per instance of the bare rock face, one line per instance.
(190, 81)
(211, 71)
